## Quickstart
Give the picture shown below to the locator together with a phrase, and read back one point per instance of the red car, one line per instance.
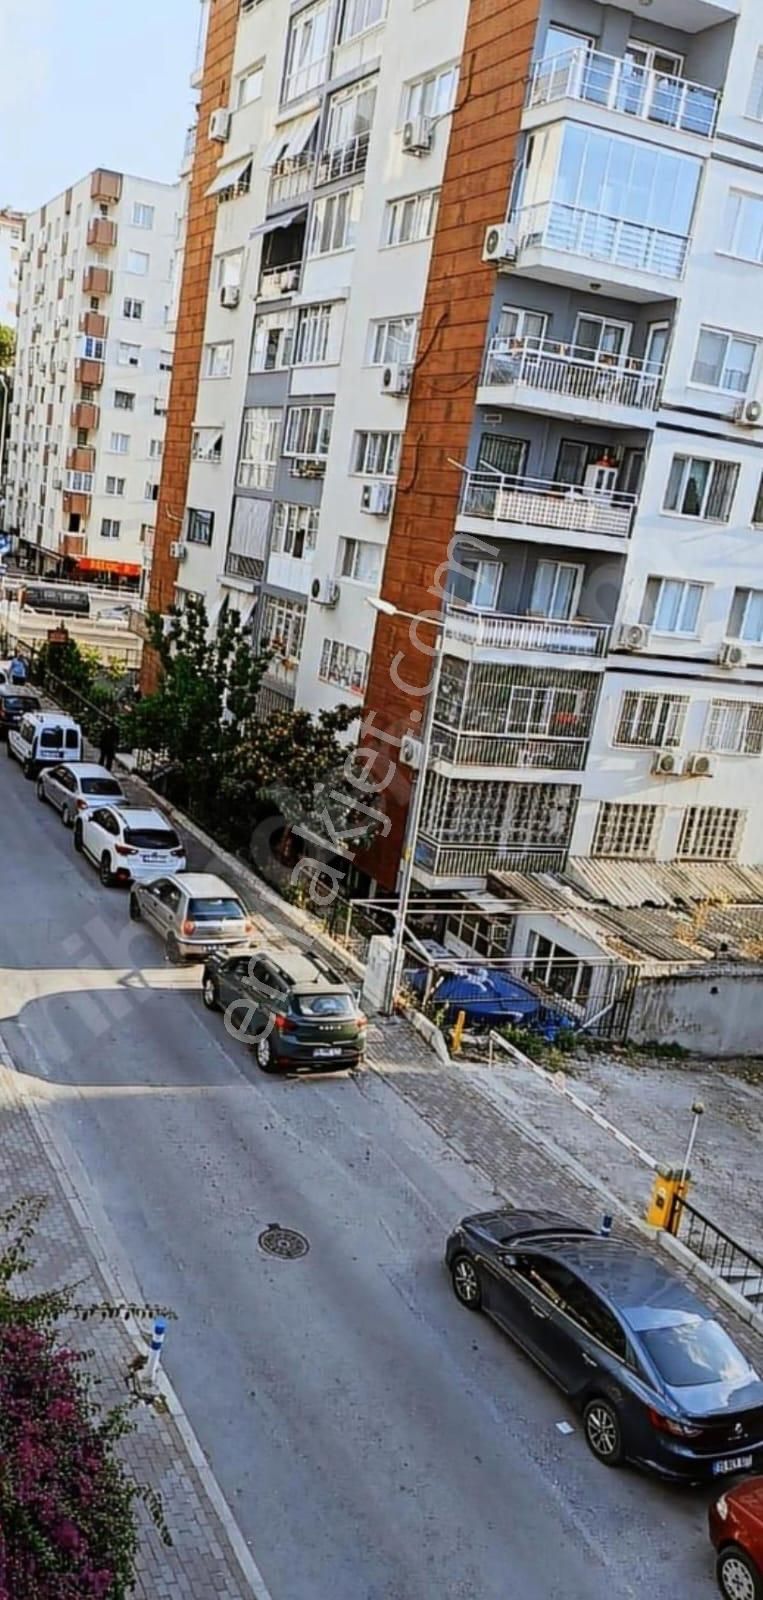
(736, 1529)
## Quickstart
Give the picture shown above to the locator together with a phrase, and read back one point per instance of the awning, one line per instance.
(123, 569)
(292, 139)
(283, 221)
(229, 177)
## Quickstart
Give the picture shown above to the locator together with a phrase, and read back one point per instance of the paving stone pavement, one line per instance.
(204, 1561)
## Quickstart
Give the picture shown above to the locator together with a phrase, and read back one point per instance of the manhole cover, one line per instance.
(283, 1242)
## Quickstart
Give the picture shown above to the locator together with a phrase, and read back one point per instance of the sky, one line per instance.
(92, 83)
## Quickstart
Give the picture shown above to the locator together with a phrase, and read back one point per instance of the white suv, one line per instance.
(128, 842)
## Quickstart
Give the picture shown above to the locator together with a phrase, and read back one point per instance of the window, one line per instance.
(230, 269)
(411, 219)
(360, 560)
(142, 217)
(283, 626)
(723, 361)
(165, 360)
(755, 102)
(218, 360)
(358, 15)
(119, 444)
(79, 482)
(647, 720)
(308, 432)
(612, 176)
(133, 309)
(207, 444)
(110, 529)
(478, 584)
(155, 448)
(626, 830)
(93, 349)
(128, 355)
(312, 341)
(273, 342)
(711, 833)
(344, 665)
(746, 615)
(500, 455)
(334, 222)
(200, 526)
(294, 530)
(516, 323)
(557, 968)
(250, 86)
(151, 491)
(376, 455)
(701, 488)
(757, 515)
(672, 605)
(307, 50)
(433, 95)
(138, 262)
(124, 400)
(115, 486)
(734, 727)
(743, 226)
(350, 115)
(258, 454)
(392, 339)
(556, 589)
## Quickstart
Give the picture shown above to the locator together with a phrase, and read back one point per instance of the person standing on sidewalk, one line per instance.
(108, 748)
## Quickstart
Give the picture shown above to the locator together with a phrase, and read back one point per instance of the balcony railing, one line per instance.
(632, 246)
(491, 631)
(291, 178)
(476, 861)
(345, 160)
(617, 84)
(509, 750)
(574, 370)
(542, 503)
(237, 566)
(276, 282)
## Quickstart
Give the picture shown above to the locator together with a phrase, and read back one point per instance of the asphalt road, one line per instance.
(375, 1441)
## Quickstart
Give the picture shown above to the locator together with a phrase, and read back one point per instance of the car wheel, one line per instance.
(603, 1433)
(466, 1283)
(135, 912)
(40, 792)
(210, 995)
(172, 950)
(78, 845)
(738, 1576)
(265, 1057)
(104, 870)
(27, 768)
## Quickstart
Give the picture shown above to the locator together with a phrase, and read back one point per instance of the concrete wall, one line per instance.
(715, 1011)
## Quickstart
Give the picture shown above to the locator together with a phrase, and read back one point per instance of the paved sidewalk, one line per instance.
(208, 1559)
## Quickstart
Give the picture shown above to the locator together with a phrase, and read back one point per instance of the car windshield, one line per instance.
(215, 910)
(324, 1005)
(17, 702)
(694, 1353)
(100, 786)
(151, 838)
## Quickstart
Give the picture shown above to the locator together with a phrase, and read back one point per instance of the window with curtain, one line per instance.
(698, 487)
(555, 591)
(746, 615)
(723, 361)
(672, 605)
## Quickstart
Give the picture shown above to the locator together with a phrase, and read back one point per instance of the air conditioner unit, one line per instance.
(219, 125)
(698, 766)
(230, 295)
(732, 655)
(178, 550)
(749, 413)
(396, 378)
(410, 752)
(501, 243)
(418, 136)
(633, 636)
(324, 591)
(665, 763)
(376, 498)
(289, 280)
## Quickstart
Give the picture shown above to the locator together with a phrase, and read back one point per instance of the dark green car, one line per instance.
(296, 1014)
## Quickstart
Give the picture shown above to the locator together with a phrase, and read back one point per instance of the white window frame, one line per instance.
(384, 344)
(718, 468)
(433, 94)
(736, 201)
(295, 530)
(754, 598)
(119, 444)
(688, 590)
(359, 16)
(93, 349)
(110, 528)
(308, 48)
(128, 355)
(191, 526)
(649, 719)
(411, 219)
(334, 222)
(731, 338)
(143, 215)
(272, 322)
(283, 625)
(559, 568)
(112, 486)
(218, 360)
(342, 119)
(376, 453)
(229, 269)
(155, 449)
(253, 76)
(710, 833)
(626, 830)
(258, 449)
(207, 445)
(132, 309)
(79, 482)
(307, 433)
(351, 553)
(138, 263)
(343, 665)
(313, 336)
(734, 728)
(128, 395)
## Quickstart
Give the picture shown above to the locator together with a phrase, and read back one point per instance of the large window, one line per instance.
(294, 530)
(307, 50)
(344, 665)
(311, 346)
(138, 262)
(142, 215)
(115, 486)
(376, 455)
(746, 616)
(119, 444)
(626, 830)
(110, 529)
(283, 626)
(273, 341)
(79, 482)
(93, 349)
(672, 605)
(413, 218)
(200, 526)
(556, 589)
(711, 833)
(132, 309)
(307, 434)
(250, 86)
(647, 719)
(207, 444)
(361, 14)
(124, 400)
(259, 448)
(392, 339)
(218, 360)
(743, 225)
(334, 222)
(734, 727)
(433, 95)
(701, 488)
(360, 560)
(350, 115)
(229, 269)
(723, 361)
(626, 178)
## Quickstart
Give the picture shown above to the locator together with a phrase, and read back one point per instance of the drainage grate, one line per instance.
(283, 1242)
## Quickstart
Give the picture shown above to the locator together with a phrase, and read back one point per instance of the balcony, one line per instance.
(80, 459)
(599, 520)
(561, 243)
(486, 634)
(97, 280)
(614, 83)
(345, 161)
(88, 372)
(566, 380)
(247, 569)
(94, 324)
(276, 283)
(85, 415)
(76, 504)
(106, 186)
(465, 866)
(101, 233)
(496, 750)
(291, 178)
(691, 16)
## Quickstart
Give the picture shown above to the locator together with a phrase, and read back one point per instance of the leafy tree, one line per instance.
(7, 346)
(282, 768)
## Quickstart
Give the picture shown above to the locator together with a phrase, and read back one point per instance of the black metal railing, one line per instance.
(732, 1261)
(238, 566)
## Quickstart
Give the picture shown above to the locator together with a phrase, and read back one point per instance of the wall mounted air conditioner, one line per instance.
(230, 295)
(698, 766)
(178, 550)
(749, 413)
(410, 752)
(219, 125)
(732, 655)
(418, 136)
(633, 636)
(501, 243)
(324, 591)
(396, 378)
(376, 498)
(665, 763)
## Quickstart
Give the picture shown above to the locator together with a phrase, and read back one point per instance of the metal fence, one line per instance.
(726, 1256)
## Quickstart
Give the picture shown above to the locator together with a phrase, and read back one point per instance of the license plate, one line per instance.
(152, 855)
(734, 1464)
(328, 1050)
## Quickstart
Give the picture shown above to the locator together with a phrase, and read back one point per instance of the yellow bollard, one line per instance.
(667, 1187)
(458, 1033)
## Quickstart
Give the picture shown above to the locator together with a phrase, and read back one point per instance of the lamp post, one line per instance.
(386, 609)
(697, 1111)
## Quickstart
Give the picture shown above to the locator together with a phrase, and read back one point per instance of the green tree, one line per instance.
(7, 346)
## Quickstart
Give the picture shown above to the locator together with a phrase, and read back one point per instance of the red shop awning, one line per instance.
(123, 569)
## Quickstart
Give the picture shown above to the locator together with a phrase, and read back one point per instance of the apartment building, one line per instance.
(93, 365)
(11, 246)
(492, 272)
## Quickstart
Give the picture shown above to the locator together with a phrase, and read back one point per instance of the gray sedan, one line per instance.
(195, 912)
(78, 786)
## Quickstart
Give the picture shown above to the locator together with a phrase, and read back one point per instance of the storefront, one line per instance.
(122, 575)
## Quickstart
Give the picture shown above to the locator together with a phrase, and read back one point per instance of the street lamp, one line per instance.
(385, 608)
(697, 1111)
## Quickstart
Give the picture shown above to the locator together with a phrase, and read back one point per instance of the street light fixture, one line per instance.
(385, 608)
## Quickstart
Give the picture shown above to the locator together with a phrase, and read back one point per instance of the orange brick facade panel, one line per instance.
(189, 338)
(497, 52)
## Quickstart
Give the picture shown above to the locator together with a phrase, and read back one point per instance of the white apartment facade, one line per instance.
(11, 246)
(94, 359)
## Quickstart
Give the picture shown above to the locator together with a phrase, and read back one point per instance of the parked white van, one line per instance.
(43, 739)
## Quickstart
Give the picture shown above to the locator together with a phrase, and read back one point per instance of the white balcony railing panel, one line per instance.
(618, 84)
(568, 508)
(573, 371)
(632, 246)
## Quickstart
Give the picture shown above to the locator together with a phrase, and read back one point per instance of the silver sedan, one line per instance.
(77, 786)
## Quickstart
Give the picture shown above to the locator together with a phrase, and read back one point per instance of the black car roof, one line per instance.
(645, 1292)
